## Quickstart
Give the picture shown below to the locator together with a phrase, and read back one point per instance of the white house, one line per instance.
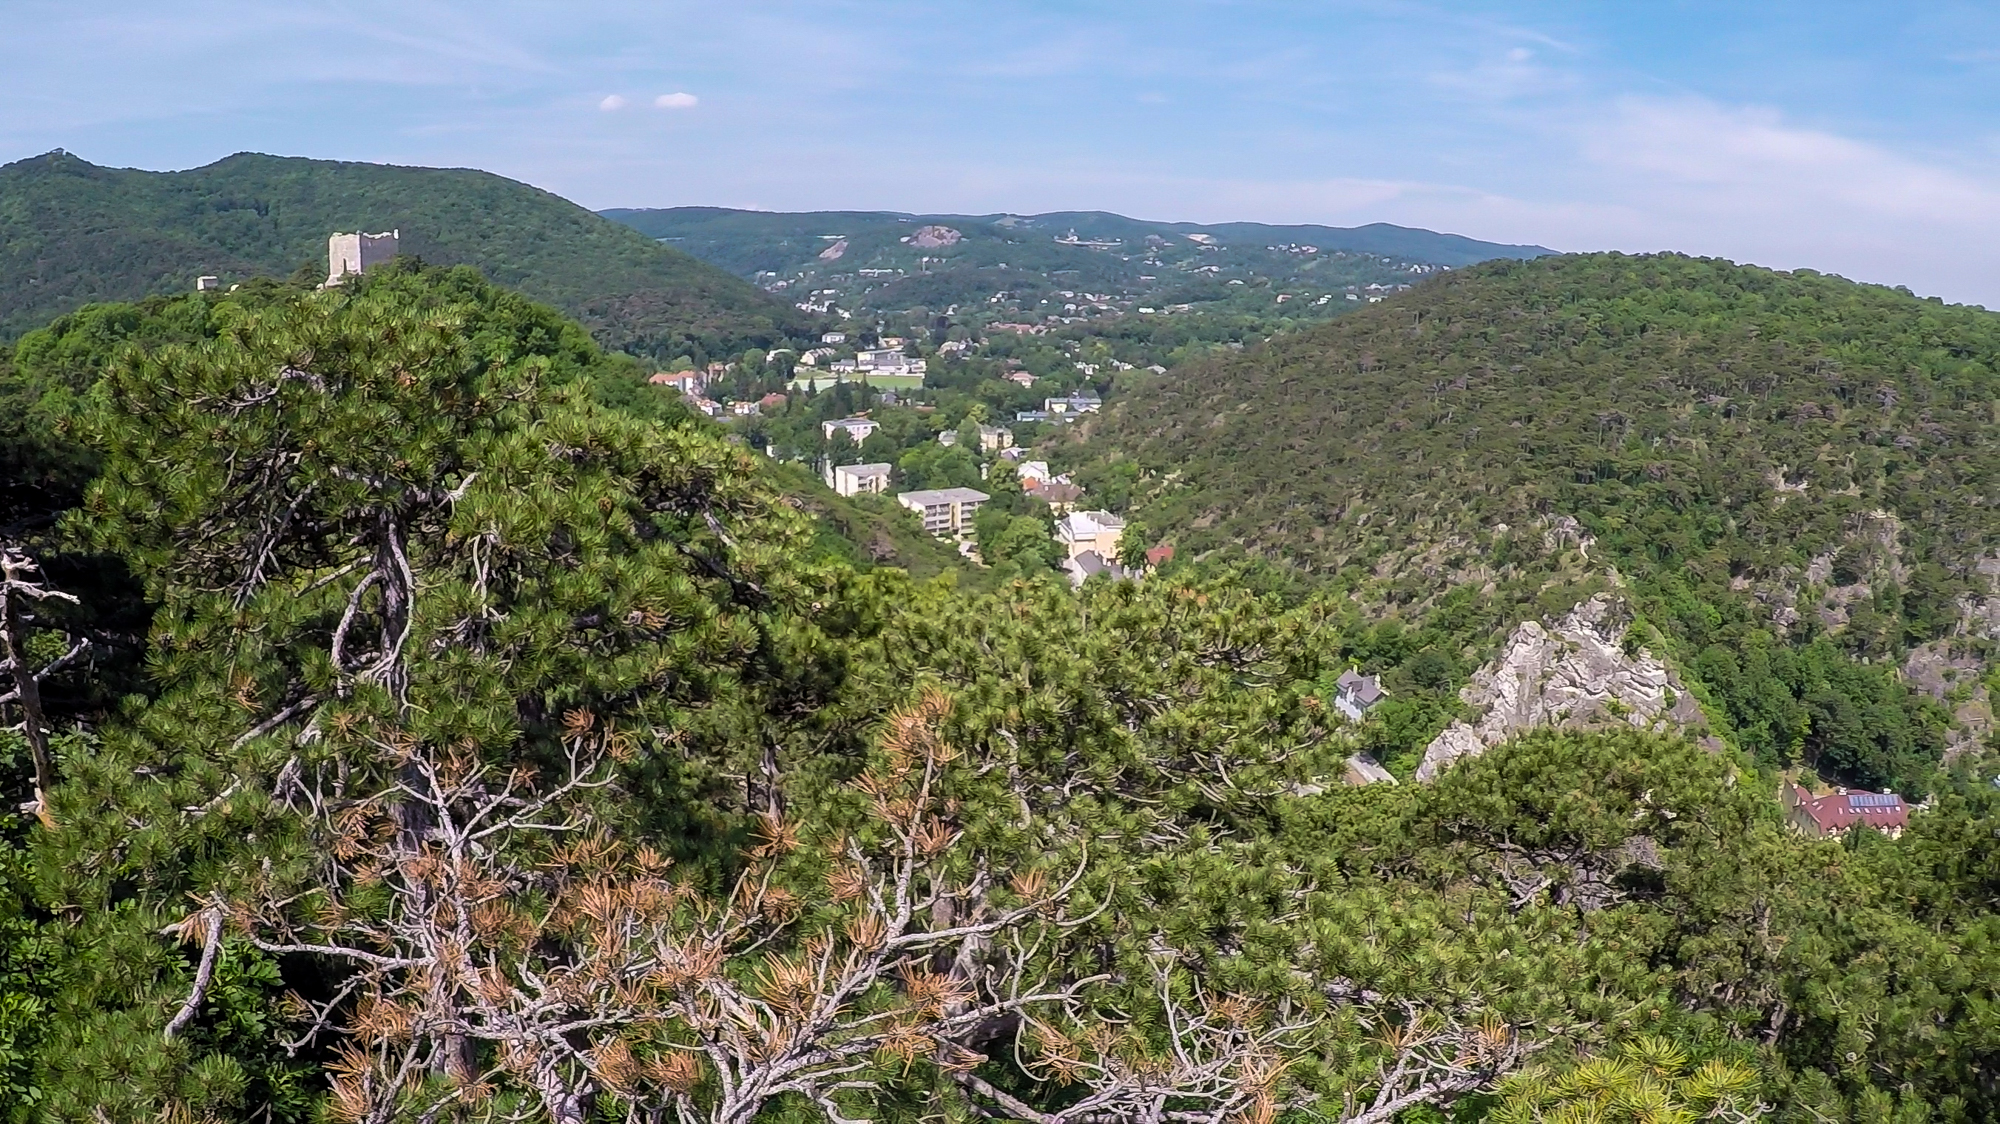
(687, 382)
(1085, 402)
(856, 479)
(857, 429)
(1354, 694)
(1082, 531)
(1034, 473)
(833, 337)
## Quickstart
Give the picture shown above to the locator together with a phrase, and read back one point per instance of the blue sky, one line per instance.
(1856, 138)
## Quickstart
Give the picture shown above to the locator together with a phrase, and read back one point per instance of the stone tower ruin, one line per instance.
(355, 253)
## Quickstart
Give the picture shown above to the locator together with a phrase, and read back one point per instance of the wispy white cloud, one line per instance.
(1517, 122)
(1505, 75)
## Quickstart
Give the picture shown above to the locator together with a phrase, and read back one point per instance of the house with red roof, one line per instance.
(1823, 817)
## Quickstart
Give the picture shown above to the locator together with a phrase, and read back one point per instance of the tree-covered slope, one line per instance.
(504, 749)
(72, 233)
(1688, 403)
(1794, 475)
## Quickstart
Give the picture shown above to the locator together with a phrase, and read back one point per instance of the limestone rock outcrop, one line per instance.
(1574, 674)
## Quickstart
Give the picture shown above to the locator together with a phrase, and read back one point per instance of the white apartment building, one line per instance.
(945, 510)
(857, 479)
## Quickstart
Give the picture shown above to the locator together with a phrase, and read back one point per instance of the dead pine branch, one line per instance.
(20, 583)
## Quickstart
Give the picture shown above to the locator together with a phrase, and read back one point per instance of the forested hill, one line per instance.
(1690, 405)
(739, 238)
(1782, 467)
(414, 716)
(72, 233)
(1072, 263)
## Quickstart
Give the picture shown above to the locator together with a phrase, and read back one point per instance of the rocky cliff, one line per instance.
(1573, 673)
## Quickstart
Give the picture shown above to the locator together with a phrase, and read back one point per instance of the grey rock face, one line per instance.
(1572, 674)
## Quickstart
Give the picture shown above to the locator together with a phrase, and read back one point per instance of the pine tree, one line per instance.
(388, 531)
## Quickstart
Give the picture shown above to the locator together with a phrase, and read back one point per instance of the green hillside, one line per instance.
(72, 233)
(1793, 405)
(1073, 263)
(745, 241)
(448, 726)
(1782, 467)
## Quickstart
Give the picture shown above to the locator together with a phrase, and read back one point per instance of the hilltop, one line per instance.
(72, 232)
(1072, 262)
(1778, 467)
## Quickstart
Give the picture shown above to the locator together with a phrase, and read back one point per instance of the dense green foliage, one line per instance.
(72, 232)
(510, 747)
(1794, 473)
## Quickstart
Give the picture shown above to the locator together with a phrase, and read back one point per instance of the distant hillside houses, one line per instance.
(687, 382)
(888, 361)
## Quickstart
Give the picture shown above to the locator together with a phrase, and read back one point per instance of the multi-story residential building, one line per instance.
(857, 479)
(945, 511)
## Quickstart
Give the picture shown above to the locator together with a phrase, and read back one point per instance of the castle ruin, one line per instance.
(354, 253)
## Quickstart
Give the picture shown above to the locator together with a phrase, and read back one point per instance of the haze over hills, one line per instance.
(72, 232)
(1059, 263)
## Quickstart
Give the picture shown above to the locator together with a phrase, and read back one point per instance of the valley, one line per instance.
(727, 666)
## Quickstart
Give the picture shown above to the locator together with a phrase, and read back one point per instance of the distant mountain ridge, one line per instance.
(72, 232)
(1065, 264)
(1406, 243)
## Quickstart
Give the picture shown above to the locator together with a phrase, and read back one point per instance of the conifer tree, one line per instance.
(387, 530)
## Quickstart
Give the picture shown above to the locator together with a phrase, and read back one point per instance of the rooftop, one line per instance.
(1363, 688)
(930, 496)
